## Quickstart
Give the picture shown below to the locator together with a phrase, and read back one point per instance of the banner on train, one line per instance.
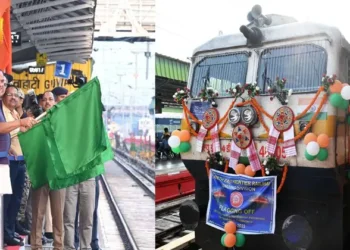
(198, 108)
(248, 201)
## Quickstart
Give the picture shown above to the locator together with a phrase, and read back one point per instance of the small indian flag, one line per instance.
(304, 102)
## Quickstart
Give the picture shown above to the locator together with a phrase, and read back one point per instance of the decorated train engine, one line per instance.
(267, 111)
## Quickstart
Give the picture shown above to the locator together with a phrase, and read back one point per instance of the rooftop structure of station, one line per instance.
(66, 29)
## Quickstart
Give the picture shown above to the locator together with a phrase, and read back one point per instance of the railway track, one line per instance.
(130, 192)
(143, 168)
(168, 224)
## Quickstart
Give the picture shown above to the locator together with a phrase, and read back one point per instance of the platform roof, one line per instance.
(171, 68)
(171, 74)
(63, 29)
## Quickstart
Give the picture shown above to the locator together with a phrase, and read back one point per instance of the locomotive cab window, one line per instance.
(220, 72)
(302, 66)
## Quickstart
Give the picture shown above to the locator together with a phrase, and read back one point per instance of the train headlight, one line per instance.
(234, 116)
(189, 215)
(297, 232)
(249, 116)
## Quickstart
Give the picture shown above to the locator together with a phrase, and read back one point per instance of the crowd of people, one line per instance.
(66, 217)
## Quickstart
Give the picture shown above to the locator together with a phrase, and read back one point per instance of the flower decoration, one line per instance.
(209, 94)
(279, 91)
(327, 81)
(236, 91)
(271, 164)
(181, 94)
(252, 89)
(214, 159)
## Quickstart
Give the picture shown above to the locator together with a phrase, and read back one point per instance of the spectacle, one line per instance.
(14, 95)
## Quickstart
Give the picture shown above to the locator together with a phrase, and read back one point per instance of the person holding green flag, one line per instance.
(71, 148)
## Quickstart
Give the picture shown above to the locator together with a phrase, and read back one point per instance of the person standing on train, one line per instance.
(10, 150)
(40, 198)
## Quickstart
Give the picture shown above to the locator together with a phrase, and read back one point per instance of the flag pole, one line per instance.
(41, 116)
(38, 119)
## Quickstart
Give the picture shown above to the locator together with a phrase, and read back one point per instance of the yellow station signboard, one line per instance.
(43, 82)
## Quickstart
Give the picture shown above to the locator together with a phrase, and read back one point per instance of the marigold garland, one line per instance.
(259, 110)
(283, 180)
(208, 169)
(302, 114)
(308, 126)
(192, 131)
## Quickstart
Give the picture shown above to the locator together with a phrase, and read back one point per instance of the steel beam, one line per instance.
(22, 47)
(71, 59)
(40, 6)
(59, 21)
(74, 52)
(14, 2)
(62, 40)
(52, 13)
(68, 47)
(62, 34)
(60, 27)
(63, 45)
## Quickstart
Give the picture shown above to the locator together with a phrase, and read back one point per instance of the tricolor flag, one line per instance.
(304, 102)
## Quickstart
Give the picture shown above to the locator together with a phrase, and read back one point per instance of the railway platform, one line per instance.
(108, 232)
(169, 166)
(174, 185)
(122, 225)
(172, 180)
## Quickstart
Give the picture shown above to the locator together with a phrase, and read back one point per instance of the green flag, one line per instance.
(76, 127)
(70, 144)
(37, 155)
(92, 169)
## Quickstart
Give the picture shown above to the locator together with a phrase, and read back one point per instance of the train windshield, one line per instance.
(220, 72)
(302, 66)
